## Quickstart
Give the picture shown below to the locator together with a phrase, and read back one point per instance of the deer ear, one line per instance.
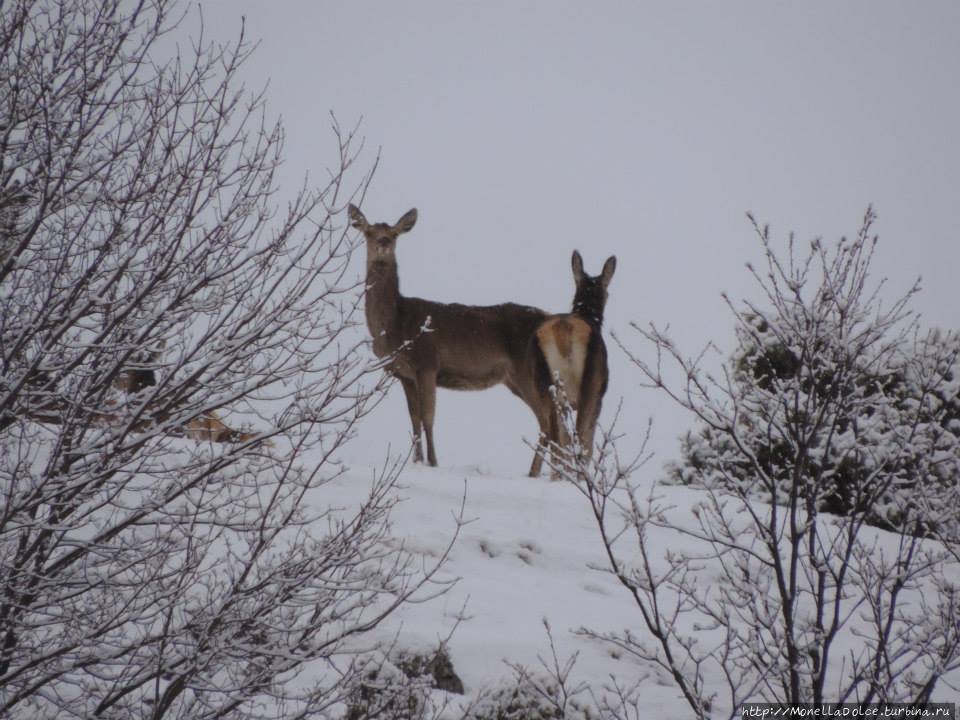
(576, 262)
(406, 223)
(357, 219)
(608, 267)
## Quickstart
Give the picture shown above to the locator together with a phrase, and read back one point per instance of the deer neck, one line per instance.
(382, 303)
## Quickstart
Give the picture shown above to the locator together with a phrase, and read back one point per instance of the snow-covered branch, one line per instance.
(820, 564)
(178, 371)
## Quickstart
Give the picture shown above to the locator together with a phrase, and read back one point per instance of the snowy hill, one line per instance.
(526, 553)
(529, 551)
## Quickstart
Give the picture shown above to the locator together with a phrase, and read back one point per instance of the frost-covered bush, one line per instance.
(837, 398)
(403, 686)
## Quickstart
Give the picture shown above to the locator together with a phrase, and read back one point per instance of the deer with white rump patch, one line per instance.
(576, 356)
(448, 345)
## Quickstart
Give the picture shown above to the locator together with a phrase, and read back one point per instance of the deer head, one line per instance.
(381, 237)
(591, 294)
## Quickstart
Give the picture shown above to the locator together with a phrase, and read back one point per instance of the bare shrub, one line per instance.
(834, 413)
(150, 285)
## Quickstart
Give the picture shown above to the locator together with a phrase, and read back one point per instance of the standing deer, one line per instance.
(573, 348)
(448, 345)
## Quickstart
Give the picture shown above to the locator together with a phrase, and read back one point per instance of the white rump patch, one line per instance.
(564, 340)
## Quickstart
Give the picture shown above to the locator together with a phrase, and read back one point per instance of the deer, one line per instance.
(576, 357)
(430, 344)
(208, 426)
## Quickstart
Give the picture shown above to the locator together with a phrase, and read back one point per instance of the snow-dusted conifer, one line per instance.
(837, 398)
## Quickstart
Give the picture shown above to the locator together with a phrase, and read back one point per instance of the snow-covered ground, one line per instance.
(525, 554)
(529, 551)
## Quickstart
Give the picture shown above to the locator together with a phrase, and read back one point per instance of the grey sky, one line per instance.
(523, 130)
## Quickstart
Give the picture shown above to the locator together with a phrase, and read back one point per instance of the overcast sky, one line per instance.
(523, 130)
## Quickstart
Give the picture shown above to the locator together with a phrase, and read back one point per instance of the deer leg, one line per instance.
(560, 412)
(544, 413)
(413, 407)
(541, 407)
(427, 381)
(591, 399)
(586, 428)
(560, 439)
